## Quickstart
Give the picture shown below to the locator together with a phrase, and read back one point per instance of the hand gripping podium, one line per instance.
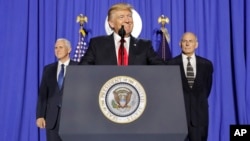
(116, 103)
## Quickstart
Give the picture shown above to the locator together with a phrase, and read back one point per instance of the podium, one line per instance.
(157, 88)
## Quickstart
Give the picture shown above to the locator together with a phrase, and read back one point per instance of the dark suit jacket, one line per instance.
(196, 99)
(101, 51)
(50, 97)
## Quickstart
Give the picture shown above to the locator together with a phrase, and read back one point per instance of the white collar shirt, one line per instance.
(117, 39)
(192, 62)
(60, 65)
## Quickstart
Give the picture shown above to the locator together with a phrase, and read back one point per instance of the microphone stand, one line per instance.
(122, 33)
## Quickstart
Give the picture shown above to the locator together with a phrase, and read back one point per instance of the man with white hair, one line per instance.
(51, 90)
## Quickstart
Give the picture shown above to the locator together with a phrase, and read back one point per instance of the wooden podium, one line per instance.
(163, 119)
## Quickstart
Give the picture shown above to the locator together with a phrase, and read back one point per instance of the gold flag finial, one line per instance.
(82, 19)
(163, 20)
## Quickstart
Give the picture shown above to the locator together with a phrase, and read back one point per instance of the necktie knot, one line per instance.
(122, 41)
(62, 67)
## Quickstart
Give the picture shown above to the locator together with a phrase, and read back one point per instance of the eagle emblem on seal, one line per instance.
(122, 97)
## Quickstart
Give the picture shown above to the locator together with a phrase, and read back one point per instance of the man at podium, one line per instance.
(120, 48)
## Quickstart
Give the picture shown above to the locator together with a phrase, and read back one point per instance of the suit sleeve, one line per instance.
(89, 57)
(152, 56)
(210, 77)
(42, 97)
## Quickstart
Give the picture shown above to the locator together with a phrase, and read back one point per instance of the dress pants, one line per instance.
(53, 134)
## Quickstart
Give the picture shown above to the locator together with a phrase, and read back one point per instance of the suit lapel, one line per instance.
(53, 75)
(70, 63)
(132, 50)
(198, 70)
(183, 75)
(111, 49)
(182, 70)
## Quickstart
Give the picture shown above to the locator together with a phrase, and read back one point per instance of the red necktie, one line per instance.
(122, 55)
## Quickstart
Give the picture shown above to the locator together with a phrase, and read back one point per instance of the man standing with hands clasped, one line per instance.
(108, 50)
(196, 74)
(51, 90)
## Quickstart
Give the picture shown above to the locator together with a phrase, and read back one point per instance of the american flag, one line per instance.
(82, 46)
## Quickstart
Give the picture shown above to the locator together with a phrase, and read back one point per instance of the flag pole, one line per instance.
(81, 45)
(81, 19)
(165, 35)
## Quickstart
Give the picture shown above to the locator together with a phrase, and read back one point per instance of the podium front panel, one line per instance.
(163, 118)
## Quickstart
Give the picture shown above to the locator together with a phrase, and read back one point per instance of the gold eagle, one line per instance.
(122, 94)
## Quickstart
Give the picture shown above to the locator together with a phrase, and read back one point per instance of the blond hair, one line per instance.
(118, 7)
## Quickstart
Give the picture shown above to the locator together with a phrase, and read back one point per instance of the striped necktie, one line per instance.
(190, 73)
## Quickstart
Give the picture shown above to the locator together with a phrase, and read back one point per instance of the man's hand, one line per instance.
(40, 122)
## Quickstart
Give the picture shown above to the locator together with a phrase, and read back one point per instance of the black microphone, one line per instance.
(122, 32)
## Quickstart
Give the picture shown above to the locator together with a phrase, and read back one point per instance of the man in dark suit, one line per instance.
(50, 92)
(196, 82)
(104, 50)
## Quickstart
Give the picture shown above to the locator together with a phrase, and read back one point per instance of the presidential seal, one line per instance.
(122, 99)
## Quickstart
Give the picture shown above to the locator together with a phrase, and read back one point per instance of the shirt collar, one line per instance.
(118, 38)
(66, 63)
(185, 56)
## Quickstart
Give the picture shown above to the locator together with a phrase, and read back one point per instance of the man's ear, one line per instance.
(196, 45)
(111, 25)
(69, 50)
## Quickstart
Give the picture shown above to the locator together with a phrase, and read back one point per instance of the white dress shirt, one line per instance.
(192, 62)
(60, 65)
(117, 39)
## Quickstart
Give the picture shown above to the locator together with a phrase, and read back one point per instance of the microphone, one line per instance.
(122, 32)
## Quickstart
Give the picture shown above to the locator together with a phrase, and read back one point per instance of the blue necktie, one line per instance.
(61, 76)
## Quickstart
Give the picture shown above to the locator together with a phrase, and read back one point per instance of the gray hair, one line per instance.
(67, 42)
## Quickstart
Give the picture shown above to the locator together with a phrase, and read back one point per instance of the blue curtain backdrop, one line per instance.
(29, 28)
